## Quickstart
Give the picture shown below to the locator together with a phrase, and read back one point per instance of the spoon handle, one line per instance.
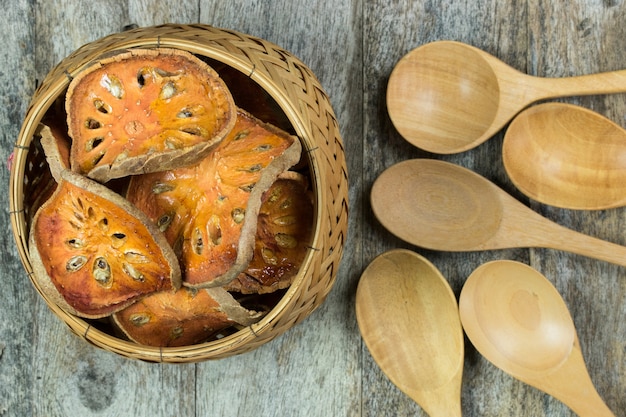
(547, 234)
(581, 244)
(580, 396)
(571, 241)
(600, 83)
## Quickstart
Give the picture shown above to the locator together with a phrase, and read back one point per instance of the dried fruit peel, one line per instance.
(56, 146)
(208, 212)
(236, 166)
(145, 110)
(93, 253)
(184, 318)
(284, 230)
(41, 183)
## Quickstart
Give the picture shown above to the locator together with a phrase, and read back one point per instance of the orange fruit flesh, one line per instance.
(184, 318)
(283, 233)
(140, 104)
(97, 255)
(201, 209)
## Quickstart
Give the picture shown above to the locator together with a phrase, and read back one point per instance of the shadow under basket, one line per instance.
(270, 82)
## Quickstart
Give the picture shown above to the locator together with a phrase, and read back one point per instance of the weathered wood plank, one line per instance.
(392, 31)
(295, 374)
(69, 377)
(586, 38)
(17, 297)
(149, 13)
(506, 31)
(321, 367)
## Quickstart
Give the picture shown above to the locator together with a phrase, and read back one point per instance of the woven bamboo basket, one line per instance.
(305, 106)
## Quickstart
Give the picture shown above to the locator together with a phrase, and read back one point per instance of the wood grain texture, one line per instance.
(321, 367)
(588, 40)
(17, 298)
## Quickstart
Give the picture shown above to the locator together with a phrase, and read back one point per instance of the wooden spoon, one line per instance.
(443, 206)
(567, 156)
(409, 320)
(517, 320)
(448, 97)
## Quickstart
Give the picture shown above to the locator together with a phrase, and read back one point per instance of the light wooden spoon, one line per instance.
(448, 97)
(517, 320)
(567, 156)
(409, 319)
(442, 206)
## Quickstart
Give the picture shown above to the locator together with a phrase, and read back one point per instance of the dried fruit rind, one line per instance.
(184, 318)
(284, 230)
(208, 212)
(93, 253)
(164, 114)
(56, 146)
(145, 110)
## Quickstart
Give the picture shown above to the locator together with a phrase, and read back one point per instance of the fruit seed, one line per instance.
(113, 85)
(286, 241)
(238, 214)
(139, 319)
(132, 272)
(102, 272)
(167, 91)
(75, 263)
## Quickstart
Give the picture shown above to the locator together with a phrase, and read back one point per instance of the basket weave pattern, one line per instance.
(299, 94)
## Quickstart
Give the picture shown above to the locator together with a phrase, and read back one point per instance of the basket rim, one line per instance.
(42, 102)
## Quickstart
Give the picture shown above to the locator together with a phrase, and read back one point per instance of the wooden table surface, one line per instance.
(321, 367)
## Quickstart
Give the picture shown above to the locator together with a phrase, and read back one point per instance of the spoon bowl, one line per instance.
(408, 318)
(578, 157)
(442, 206)
(447, 97)
(517, 320)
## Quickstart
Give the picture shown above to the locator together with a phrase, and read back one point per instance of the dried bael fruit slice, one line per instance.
(41, 183)
(145, 110)
(184, 318)
(56, 147)
(94, 253)
(52, 139)
(208, 212)
(283, 234)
